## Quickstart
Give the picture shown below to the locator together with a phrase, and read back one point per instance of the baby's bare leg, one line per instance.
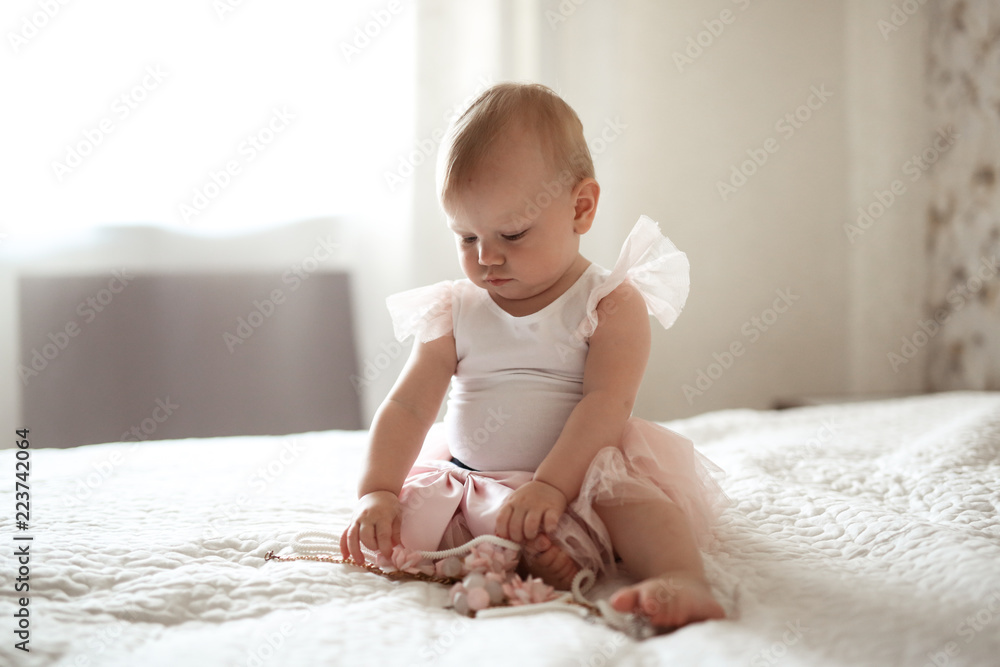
(655, 541)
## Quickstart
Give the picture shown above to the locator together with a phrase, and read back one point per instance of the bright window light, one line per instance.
(207, 115)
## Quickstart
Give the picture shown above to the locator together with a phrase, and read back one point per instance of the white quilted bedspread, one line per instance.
(860, 534)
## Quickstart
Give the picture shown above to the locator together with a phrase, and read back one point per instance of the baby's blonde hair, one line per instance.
(537, 109)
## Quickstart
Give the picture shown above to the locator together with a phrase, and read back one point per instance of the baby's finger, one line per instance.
(354, 546)
(383, 538)
(503, 519)
(517, 525)
(551, 520)
(344, 553)
(532, 520)
(357, 553)
(397, 528)
(368, 536)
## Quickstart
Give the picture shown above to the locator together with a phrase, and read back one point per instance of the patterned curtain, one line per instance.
(963, 306)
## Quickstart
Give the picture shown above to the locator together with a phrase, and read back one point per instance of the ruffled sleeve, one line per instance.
(424, 312)
(654, 265)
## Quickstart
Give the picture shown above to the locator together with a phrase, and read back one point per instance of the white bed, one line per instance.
(864, 534)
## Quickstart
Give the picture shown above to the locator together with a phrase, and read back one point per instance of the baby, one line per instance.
(544, 353)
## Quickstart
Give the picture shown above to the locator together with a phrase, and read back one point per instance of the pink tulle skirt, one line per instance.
(445, 505)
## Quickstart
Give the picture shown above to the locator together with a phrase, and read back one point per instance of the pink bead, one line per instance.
(474, 580)
(461, 603)
(451, 567)
(495, 590)
(478, 598)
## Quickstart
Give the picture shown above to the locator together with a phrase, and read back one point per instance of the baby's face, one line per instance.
(514, 222)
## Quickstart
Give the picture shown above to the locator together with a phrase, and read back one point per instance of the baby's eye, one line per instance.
(468, 240)
(514, 237)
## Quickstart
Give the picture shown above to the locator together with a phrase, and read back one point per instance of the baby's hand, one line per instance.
(532, 508)
(376, 524)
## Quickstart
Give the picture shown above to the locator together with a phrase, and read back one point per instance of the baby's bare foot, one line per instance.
(670, 600)
(543, 558)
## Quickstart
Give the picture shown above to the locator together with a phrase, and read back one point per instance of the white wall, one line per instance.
(684, 130)
(686, 125)
(887, 122)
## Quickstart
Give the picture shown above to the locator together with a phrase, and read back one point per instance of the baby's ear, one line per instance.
(585, 196)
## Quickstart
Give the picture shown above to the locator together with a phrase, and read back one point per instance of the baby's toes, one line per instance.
(625, 600)
(672, 603)
(548, 561)
(659, 598)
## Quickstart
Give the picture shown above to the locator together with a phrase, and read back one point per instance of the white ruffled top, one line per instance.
(519, 378)
(648, 260)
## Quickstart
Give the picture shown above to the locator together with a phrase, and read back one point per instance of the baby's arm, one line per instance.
(619, 349)
(397, 433)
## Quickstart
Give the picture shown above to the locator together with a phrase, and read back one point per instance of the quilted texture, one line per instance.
(862, 534)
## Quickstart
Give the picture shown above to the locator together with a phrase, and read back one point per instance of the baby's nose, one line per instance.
(489, 256)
